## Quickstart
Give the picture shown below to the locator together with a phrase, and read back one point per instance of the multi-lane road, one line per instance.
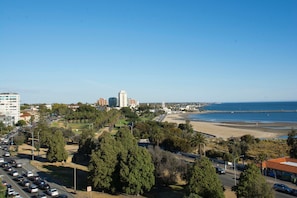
(26, 166)
(228, 181)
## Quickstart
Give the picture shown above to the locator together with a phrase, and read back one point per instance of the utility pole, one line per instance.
(74, 182)
(32, 144)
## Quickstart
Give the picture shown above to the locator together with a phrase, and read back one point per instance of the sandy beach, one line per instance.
(227, 130)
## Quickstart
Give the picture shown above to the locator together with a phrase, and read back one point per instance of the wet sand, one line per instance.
(227, 130)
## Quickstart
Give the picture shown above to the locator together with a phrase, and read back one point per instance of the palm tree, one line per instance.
(197, 140)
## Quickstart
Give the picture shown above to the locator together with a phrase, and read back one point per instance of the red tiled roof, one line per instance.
(277, 164)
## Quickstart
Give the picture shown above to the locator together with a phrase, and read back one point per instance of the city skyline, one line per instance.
(171, 51)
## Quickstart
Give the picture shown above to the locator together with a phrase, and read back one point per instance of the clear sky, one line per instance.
(70, 51)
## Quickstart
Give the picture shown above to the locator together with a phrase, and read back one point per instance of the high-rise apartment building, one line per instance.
(10, 108)
(123, 99)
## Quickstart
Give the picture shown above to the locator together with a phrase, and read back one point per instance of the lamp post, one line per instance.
(235, 167)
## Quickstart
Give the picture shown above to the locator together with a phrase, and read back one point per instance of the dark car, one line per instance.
(19, 178)
(44, 186)
(18, 165)
(5, 164)
(25, 182)
(282, 188)
(220, 170)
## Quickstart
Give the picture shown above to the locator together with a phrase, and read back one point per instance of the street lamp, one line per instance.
(234, 166)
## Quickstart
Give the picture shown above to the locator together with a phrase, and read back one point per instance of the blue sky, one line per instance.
(172, 51)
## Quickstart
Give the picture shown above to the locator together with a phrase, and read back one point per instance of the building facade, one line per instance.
(113, 102)
(123, 99)
(10, 108)
(102, 102)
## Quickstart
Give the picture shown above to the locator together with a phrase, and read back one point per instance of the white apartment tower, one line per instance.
(9, 108)
(123, 99)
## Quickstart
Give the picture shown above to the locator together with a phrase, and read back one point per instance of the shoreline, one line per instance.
(226, 130)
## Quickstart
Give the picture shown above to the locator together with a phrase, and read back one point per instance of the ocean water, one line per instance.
(262, 112)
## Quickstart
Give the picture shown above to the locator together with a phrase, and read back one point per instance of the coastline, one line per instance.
(226, 130)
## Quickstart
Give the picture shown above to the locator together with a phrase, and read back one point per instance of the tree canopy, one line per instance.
(203, 180)
(292, 143)
(118, 164)
(252, 184)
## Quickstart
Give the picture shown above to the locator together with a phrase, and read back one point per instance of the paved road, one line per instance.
(228, 181)
(26, 167)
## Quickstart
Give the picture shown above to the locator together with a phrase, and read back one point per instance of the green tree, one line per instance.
(203, 180)
(118, 164)
(292, 143)
(86, 142)
(197, 140)
(56, 149)
(103, 164)
(137, 172)
(252, 184)
(21, 123)
(2, 189)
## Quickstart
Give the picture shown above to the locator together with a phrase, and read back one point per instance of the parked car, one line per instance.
(282, 188)
(220, 170)
(1, 160)
(52, 192)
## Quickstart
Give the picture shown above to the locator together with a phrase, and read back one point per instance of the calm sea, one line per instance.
(263, 112)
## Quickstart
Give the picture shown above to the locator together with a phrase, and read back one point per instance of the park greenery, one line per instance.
(107, 144)
(252, 184)
(203, 181)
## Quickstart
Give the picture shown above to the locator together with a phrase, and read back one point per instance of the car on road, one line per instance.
(25, 183)
(42, 195)
(282, 188)
(4, 164)
(52, 192)
(33, 188)
(44, 186)
(1, 160)
(62, 196)
(10, 191)
(29, 174)
(18, 165)
(220, 170)
(14, 173)
(19, 178)
(6, 154)
(8, 168)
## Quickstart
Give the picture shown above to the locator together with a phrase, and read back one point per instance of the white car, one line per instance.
(7, 154)
(10, 191)
(33, 188)
(29, 174)
(52, 192)
(14, 173)
(1, 160)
